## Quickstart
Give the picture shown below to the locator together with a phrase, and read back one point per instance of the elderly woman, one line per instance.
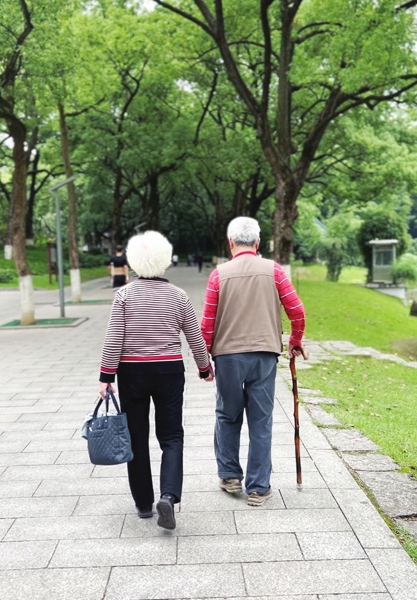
(143, 348)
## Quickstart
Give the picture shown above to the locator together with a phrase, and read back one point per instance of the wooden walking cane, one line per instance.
(296, 420)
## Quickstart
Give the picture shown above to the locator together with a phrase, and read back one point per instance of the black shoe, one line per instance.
(165, 510)
(144, 513)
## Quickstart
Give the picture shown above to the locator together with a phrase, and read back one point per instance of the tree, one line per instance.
(11, 62)
(297, 67)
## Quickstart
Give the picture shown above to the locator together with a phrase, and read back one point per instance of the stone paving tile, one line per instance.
(309, 577)
(52, 472)
(26, 555)
(311, 480)
(36, 507)
(21, 426)
(188, 524)
(369, 462)
(5, 525)
(115, 552)
(381, 596)
(397, 571)
(64, 528)
(308, 498)
(297, 597)
(330, 545)
(242, 548)
(22, 458)
(114, 504)
(18, 489)
(290, 520)
(332, 469)
(349, 440)
(370, 529)
(396, 493)
(64, 424)
(56, 445)
(73, 457)
(54, 584)
(220, 500)
(12, 446)
(83, 487)
(31, 436)
(177, 581)
(321, 416)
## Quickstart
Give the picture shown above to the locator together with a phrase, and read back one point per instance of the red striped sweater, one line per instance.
(147, 318)
(288, 298)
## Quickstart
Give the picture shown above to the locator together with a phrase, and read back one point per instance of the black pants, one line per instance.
(119, 280)
(166, 390)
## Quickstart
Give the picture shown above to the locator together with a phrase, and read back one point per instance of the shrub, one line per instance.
(405, 268)
(88, 261)
(6, 275)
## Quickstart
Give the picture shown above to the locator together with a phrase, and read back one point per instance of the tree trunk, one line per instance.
(153, 206)
(31, 200)
(72, 210)
(17, 130)
(8, 246)
(285, 215)
(222, 247)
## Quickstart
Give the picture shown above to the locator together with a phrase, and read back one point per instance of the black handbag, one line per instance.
(108, 437)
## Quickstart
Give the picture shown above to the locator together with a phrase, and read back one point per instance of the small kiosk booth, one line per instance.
(383, 258)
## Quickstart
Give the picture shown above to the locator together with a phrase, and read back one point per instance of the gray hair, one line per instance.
(149, 254)
(243, 231)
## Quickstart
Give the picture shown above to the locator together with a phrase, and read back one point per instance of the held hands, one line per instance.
(295, 351)
(103, 387)
(210, 375)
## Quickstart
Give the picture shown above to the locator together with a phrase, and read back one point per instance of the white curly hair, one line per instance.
(149, 254)
(244, 231)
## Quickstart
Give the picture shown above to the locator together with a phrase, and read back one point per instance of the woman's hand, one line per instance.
(103, 387)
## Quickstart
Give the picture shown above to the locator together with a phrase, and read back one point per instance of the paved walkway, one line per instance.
(68, 529)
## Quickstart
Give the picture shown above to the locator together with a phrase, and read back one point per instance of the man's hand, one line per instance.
(295, 351)
(210, 376)
(103, 387)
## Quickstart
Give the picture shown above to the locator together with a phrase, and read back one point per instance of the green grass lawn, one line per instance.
(376, 396)
(37, 259)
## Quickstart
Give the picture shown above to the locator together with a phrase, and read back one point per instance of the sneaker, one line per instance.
(145, 513)
(233, 486)
(165, 510)
(255, 499)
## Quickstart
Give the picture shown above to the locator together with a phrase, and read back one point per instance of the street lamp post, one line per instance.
(54, 191)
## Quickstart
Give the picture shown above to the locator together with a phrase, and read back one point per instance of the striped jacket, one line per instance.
(147, 318)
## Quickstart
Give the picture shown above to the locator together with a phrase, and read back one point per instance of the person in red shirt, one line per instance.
(241, 326)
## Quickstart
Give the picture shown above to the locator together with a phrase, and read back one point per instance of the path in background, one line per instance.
(68, 529)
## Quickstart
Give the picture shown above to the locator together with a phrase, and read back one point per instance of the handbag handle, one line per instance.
(109, 394)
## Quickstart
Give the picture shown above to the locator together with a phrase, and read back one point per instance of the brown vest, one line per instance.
(249, 310)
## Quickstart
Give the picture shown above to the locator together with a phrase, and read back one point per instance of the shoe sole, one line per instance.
(259, 500)
(166, 518)
(234, 490)
(145, 515)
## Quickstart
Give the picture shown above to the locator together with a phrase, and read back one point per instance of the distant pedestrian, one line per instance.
(190, 260)
(118, 268)
(199, 260)
(143, 348)
(175, 259)
(242, 327)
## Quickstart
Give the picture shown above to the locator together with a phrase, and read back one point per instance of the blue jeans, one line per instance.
(245, 381)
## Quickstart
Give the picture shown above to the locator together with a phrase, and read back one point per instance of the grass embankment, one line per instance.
(377, 397)
(37, 259)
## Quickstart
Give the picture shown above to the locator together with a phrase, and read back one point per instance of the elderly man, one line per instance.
(241, 325)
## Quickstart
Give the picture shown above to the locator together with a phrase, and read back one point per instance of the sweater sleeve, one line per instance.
(211, 301)
(113, 343)
(292, 304)
(194, 338)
